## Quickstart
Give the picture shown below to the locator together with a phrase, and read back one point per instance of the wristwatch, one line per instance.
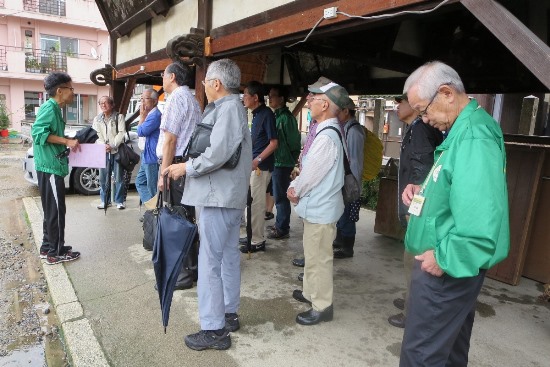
(259, 159)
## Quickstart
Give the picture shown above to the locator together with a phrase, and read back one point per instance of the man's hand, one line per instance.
(107, 148)
(255, 164)
(73, 144)
(429, 264)
(409, 192)
(295, 173)
(143, 112)
(291, 195)
(160, 183)
(174, 171)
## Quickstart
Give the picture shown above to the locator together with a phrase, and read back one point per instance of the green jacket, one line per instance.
(464, 218)
(288, 149)
(49, 121)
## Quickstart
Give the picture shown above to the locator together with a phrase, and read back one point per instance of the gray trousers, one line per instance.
(440, 317)
(219, 284)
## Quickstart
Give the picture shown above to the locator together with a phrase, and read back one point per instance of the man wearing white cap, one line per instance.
(317, 194)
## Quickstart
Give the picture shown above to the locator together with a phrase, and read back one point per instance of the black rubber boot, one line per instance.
(338, 241)
(347, 248)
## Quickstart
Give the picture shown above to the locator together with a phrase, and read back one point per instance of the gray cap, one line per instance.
(335, 92)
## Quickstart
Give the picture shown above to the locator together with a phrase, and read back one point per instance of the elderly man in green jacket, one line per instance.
(51, 164)
(458, 225)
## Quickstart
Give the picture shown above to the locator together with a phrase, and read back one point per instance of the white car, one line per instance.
(83, 180)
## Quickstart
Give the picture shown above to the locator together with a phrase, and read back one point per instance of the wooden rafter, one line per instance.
(520, 40)
(303, 21)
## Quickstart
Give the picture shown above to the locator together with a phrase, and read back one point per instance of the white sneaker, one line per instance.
(120, 206)
(101, 205)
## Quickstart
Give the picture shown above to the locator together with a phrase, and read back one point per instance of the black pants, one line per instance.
(52, 195)
(440, 317)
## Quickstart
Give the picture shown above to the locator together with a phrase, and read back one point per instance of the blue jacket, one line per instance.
(150, 130)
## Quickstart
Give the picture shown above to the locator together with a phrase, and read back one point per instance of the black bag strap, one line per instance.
(347, 168)
(350, 126)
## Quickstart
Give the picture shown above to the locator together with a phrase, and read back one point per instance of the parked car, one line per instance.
(84, 180)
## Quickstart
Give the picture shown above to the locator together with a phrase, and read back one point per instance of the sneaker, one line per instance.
(253, 248)
(208, 339)
(269, 216)
(69, 256)
(44, 254)
(232, 322)
(276, 234)
(102, 205)
(120, 206)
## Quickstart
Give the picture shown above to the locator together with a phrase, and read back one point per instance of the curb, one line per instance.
(80, 339)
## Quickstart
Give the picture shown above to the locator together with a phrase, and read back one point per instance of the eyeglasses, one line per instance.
(206, 80)
(102, 103)
(71, 88)
(142, 98)
(425, 111)
(319, 99)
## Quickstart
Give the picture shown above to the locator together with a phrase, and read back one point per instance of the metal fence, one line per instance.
(45, 61)
(3, 61)
(52, 7)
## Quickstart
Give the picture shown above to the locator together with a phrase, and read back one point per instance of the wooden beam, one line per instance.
(128, 92)
(300, 104)
(514, 35)
(204, 20)
(135, 72)
(273, 14)
(304, 21)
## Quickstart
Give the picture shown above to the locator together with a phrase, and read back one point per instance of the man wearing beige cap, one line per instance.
(317, 194)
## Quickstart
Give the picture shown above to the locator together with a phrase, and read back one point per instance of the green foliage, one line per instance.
(4, 116)
(369, 195)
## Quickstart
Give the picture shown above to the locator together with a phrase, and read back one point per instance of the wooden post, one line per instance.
(528, 115)
(378, 123)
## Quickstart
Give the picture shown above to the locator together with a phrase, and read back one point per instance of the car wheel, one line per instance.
(86, 181)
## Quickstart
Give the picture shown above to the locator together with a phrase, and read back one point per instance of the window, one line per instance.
(53, 7)
(82, 111)
(67, 46)
(33, 100)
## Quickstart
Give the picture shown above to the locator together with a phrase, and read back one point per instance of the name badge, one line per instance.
(416, 205)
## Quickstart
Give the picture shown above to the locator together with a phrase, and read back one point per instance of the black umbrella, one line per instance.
(108, 186)
(175, 235)
(249, 222)
(86, 136)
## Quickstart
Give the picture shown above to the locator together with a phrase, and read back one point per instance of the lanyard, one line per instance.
(430, 175)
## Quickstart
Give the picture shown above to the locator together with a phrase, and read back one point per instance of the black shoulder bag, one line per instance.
(200, 140)
(351, 190)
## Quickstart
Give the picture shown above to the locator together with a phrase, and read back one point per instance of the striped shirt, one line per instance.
(181, 115)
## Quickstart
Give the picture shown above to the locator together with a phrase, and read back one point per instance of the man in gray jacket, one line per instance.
(219, 196)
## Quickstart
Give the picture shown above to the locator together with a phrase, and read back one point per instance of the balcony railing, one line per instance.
(52, 7)
(3, 60)
(45, 61)
(2, 5)
(23, 59)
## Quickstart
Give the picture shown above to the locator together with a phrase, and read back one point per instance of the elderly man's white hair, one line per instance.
(430, 76)
(228, 72)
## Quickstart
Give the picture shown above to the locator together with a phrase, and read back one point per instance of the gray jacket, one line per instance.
(207, 183)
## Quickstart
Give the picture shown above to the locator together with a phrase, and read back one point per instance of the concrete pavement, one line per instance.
(110, 312)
